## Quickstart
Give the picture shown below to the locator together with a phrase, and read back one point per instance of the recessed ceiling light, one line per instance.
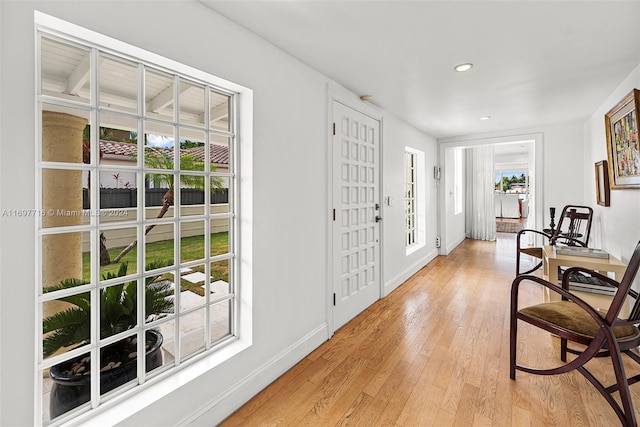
(485, 117)
(463, 67)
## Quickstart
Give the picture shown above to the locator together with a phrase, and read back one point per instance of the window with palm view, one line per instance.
(137, 221)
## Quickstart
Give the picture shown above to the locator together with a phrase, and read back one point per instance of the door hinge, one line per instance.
(334, 298)
(334, 214)
(334, 129)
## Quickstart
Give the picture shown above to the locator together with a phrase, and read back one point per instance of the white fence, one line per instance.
(121, 237)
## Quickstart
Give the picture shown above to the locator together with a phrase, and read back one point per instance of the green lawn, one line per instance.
(192, 248)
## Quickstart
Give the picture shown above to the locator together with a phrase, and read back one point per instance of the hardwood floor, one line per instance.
(435, 353)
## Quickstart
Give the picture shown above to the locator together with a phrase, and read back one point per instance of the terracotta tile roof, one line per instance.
(118, 148)
(219, 153)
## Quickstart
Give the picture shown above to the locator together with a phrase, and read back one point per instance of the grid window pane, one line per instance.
(113, 246)
(220, 243)
(118, 84)
(192, 105)
(118, 140)
(159, 195)
(166, 358)
(192, 188)
(159, 302)
(192, 333)
(65, 135)
(192, 287)
(118, 308)
(158, 146)
(118, 364)
(220, 315)
(65, 70)
(220, 276)
(193, 152)
(192, 241)
(68, 268)
(66, 324)
(159, 95)
(220, 111)
(159, 246)
(62, 198)
(58, 398)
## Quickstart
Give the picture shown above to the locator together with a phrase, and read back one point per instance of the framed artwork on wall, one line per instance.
(623, 149)
(602, 183)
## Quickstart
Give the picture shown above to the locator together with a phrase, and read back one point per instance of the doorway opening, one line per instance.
(518, 153)
(513, 170)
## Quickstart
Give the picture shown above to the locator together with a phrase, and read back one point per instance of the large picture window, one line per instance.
(512, 181)
(137, 205)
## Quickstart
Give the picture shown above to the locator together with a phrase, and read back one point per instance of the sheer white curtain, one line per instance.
(480, 212)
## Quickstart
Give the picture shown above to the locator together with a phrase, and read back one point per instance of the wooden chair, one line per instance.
(574, 228)
(603, 334)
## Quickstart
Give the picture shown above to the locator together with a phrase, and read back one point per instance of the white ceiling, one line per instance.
(535, 62)
(510, 156)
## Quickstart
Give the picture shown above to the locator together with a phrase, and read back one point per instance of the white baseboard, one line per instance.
(399, 279)
(223, 405)
(454, 244)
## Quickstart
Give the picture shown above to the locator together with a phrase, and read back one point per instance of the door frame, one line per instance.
(336, 93)
(537, 140)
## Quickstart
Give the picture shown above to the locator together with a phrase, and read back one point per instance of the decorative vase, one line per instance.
(72, 389)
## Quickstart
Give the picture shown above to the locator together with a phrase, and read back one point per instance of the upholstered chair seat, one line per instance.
(570, 316)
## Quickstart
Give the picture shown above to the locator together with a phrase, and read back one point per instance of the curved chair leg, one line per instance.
(586, 355)
(576, 363)
(625, 412)
(512, 352)
(623, 384)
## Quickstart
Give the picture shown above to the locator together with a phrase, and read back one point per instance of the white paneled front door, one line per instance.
(356, 207)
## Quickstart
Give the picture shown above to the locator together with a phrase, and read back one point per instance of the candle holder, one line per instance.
(552, 226)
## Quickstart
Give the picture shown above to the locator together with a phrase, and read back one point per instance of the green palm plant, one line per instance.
(160, 159)
(118, 309)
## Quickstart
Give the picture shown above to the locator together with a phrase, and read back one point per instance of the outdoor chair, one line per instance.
(602, 333)
(574, 228)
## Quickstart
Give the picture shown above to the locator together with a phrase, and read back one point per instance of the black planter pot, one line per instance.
(70, 391)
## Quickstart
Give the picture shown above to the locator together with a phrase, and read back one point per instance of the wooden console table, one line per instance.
(551, 261)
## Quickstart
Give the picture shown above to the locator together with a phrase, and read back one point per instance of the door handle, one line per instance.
(378, 218)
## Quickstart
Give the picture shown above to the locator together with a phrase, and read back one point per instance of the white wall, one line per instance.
(290, 285)
(398, 266)
(453, 224)
(563, 167)
(616, 228)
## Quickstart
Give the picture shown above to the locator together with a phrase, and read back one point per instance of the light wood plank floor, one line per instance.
(435, 353)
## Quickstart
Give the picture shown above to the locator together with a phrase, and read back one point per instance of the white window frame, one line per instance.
(414, 198)
(130, 400)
